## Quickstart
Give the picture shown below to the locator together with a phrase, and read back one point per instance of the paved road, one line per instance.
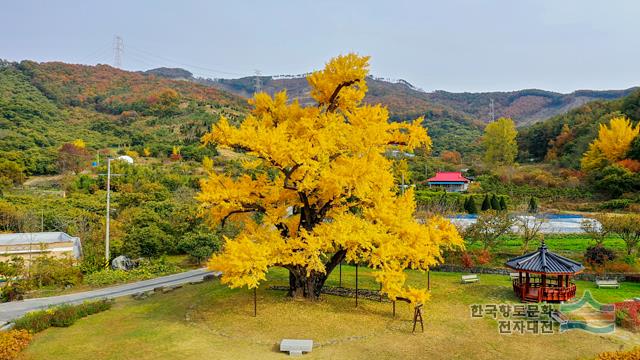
(15, 309)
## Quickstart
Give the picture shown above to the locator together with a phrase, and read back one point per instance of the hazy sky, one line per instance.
(451, 45)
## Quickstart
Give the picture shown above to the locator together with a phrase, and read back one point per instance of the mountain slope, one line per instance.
(525, 107)
(449, 129)
(43, 105)
(544, 139)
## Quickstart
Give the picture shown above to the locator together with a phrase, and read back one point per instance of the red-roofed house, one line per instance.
(450, 181)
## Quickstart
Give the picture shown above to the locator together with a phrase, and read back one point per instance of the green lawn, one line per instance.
(570, 245)
(210, 321)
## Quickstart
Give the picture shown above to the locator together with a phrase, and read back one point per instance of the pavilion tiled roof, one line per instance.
(544, 262)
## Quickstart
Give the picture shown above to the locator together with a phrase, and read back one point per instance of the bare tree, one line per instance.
(593, 226)
(529, 228)
(489, 227)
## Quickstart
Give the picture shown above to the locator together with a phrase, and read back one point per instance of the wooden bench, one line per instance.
(296, 347)
(466, 279)
(601, 283)
(559, 317)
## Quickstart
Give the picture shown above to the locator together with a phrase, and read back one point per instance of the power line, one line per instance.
(100, 53)
(176, 62)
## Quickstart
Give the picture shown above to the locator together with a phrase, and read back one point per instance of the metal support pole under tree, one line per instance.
(340, 281)
(394, 308)
(255, 302)
(106, 237)
(356, 284)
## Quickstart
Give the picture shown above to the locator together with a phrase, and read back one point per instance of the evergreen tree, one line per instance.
(471, 206)
(503, 203)
(533, 205)
(495, 204)
(486, 203)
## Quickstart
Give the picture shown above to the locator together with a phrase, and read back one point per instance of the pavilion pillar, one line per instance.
(542, 287)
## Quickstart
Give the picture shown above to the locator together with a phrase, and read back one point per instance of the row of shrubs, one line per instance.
(146, 270)
(61, 316)
(48, 271)
(458, 202)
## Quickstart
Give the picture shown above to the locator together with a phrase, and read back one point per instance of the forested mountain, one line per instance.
(454, 120)
(564, 138)
(44, 105)
(523, 106)
(449, 128)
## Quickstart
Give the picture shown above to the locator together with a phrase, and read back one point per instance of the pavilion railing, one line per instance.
(550, 292)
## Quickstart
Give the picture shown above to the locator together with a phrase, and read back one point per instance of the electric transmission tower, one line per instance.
(258, 84)
(118, 49)
(493, 112)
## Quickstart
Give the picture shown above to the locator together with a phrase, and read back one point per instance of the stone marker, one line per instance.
(122, 263)
(296, 347)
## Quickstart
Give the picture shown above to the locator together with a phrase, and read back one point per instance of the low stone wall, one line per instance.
(503, 271)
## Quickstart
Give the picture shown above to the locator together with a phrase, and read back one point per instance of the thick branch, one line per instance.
(334, 261)
(333, 100)
(240, 211)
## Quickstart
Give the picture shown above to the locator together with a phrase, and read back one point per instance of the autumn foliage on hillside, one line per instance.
(113, 90)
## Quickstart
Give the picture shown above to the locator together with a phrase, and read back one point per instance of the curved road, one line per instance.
(15, 309)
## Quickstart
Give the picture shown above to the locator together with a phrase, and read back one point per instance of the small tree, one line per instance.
(495, 204)
(529, 229)
(199, 245)
(72, 157)
(503, 203)
(488, 228)
(486, 203)
(499, 142)
(533, 205)
(626, 226)
(471, 208)
(598, 256)
(594, 226)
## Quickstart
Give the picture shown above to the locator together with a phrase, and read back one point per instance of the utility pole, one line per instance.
(118, 49)
(106, 237)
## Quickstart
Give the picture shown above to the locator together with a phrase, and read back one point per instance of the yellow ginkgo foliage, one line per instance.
(79, 143)
(611, 145)
(318, 190)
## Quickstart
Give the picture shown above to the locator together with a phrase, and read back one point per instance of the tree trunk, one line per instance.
(309, 286)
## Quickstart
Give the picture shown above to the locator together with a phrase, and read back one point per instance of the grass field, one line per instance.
(210, 321)
(572, 246)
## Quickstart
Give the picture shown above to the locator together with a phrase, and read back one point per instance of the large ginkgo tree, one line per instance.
(318, 190)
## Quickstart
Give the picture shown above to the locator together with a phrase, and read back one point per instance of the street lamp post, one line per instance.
(106, 236)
